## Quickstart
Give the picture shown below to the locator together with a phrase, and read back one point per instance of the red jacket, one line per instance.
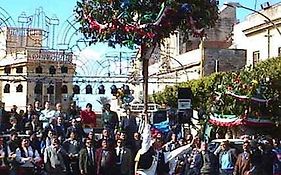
(110, 163)
(88, 117)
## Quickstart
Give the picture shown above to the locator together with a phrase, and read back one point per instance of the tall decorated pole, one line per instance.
(143, 23)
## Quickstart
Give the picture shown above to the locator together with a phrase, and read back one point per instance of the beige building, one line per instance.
(259, 36)
(30, 72)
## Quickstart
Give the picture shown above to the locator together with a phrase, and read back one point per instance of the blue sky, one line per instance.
(64, 8)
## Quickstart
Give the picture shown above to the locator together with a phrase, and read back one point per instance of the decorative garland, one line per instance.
(244, 97)
(232, 121)
(129, 22)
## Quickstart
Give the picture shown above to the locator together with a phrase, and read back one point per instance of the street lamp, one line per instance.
(237, 5)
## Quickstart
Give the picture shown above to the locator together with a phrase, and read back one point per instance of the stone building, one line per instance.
(31, 72)
(180, 60)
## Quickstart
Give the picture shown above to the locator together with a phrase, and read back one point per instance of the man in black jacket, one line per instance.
(87, 159)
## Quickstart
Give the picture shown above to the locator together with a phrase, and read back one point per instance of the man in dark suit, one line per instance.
(87, 159)
(124, 158)
(110, 119)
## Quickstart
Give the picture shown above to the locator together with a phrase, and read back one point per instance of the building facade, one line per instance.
(259, 36)
(31, 72)
(180, 59)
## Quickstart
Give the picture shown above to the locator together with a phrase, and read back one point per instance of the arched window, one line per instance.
(39, 70)
(64, 70)
(7, 69)
(19, 88)
(19, 69)
(76, 89)
(64, 89)
(7, 88)
(50, 89)
(38, 88)
(52, 70)
(89, 89)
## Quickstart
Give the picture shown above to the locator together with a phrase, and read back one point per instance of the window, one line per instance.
(39, 70)
(256, 57)
(89, 89)
(52, 70)
(19, 69)
(19, 88)
(64, 70)
(76, 89)
(7, 69)
(7, 88)
(38, 88)
(64, 89)
(279, 51)
(50, 89)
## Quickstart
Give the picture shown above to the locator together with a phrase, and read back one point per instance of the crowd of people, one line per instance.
(53, 141)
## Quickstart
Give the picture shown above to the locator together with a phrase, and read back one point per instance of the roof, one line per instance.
(13, 59)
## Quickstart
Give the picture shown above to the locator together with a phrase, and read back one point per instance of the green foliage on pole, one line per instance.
(212, 93)
(143, 22)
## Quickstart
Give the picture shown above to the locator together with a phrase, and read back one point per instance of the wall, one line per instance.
(251, 34)
(228, 60)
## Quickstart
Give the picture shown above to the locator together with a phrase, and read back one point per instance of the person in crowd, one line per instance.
(59, 112)
(124, 158)
(46, 114)
(2, 153)
(91, 136)
(172, 143)
(34, 125)
(47, 140)
(151, 159)
(244, 163)
(129, 125)
(72, 147)
(37, 108)
(52, 125)
(88, 116)
(72, 111)
(75, 127)
(15, 114)
(227, 158)
(209, 164)
(277, 150)
(5, 118)
(13, 125)
(268, 157)
(61, 127)
(27, 116)
(136, 144)
(106, 136)
(35, 143)
(87, 162)
(110, 119)
(117, 135)
(27, 157)
(54, 159)
(3, 126)
(105, 159)
(194, 162)
(11, 147)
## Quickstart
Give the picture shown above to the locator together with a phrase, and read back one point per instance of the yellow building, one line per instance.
(29, 72)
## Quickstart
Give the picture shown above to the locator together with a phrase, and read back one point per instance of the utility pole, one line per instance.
(268, 42)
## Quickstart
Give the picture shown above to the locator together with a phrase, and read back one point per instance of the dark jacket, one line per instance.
(85, 162)
(209, 163)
